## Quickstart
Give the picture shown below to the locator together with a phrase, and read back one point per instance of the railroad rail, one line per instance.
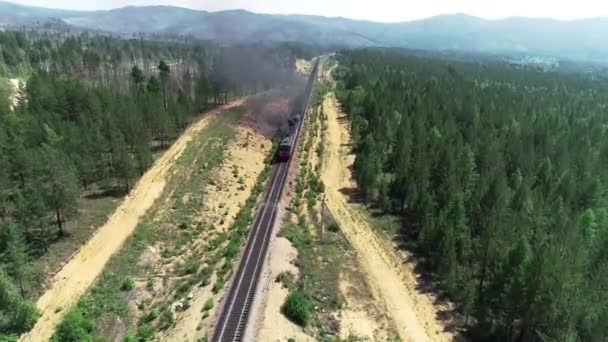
(233, 318)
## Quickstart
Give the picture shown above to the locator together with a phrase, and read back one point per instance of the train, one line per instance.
(286, 147)
(287, 144)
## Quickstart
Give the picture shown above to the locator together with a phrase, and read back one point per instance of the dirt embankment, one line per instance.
(392, 282)
(70, 283)
(245, 157)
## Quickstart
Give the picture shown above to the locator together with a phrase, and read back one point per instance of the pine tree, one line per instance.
(138, 79)
(61, 185)
(165, 73)
(16, 255)
(21, 314)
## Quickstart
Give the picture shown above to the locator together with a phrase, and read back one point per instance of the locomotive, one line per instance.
(287, 145)
(286, 148)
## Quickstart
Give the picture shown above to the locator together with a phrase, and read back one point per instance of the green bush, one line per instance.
(145, 333)
(74, 328)
(166, 320)
(129, 338)
(8, 338)
(233, 249)
(205, 276)
(208, 305)
(219, 284)
(192, 266)
(333, 227)
(127, 285)
(23, 316)
(297, 308)
(151, 316)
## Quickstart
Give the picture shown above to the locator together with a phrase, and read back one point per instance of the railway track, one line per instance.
(233, 318)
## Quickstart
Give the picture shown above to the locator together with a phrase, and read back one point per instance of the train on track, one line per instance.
(286, 147)
(287, 144)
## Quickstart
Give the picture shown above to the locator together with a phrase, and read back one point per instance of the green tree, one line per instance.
(165, 73)
(21, 314)
(138, 79)
(60, 186)
(16, 255)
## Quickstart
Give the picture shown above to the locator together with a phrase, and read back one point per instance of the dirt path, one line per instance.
(392, 283)
(81, 271)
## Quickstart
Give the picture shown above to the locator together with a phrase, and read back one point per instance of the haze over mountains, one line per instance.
(578, 39)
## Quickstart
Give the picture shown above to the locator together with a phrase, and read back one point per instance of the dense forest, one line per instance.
(499, 176)
(90, 115)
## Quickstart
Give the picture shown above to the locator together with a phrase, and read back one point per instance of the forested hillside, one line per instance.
(91, 112)
(573, 39)
(500, 178)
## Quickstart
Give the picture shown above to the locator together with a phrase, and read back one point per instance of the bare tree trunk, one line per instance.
(59, 221)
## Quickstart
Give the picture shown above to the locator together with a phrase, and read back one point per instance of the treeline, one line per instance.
(500, 177)
(109, 61)
(80, 123)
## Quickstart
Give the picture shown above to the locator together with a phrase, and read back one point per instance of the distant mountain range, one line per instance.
(585, 39)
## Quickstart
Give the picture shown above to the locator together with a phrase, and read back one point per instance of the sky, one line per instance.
(376, 10)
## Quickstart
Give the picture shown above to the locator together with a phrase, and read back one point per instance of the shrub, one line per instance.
(23, 316)
(75, 327)
(166, 320)
(219, 284)
(129, 338)
(145, 333)
(333, 227)
(287, 279)
(208, 305)
(183, 289)
(151, 316)
(192, 266)
(297, 308)
(205, 276)
(233, 249)
(127, 285)
(8, 338)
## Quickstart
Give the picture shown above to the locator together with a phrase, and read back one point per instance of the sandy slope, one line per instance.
(82, 270)
(229, 199)
(392, 283)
